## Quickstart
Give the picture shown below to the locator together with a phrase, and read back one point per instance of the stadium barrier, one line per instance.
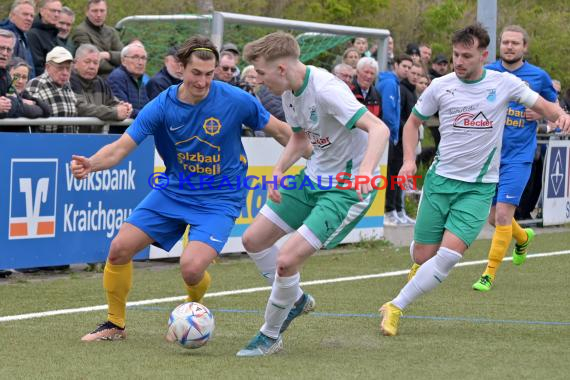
(49, 218)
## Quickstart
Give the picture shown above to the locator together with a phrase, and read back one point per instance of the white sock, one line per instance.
(431, 274)
(283, 295)
(266, 262)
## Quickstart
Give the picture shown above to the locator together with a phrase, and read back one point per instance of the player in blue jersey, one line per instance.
(196, 127)
(519, 146)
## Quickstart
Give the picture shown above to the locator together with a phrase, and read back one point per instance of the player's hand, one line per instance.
(274, 193)
(407, 170)
(563, 123)
(530, 115)
(80, 166)
(362, 189)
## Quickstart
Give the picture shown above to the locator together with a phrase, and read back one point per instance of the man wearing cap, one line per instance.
(53, 87)
(170, 74)
(438, 66)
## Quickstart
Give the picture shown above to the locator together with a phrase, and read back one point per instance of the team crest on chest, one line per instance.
(313, 116)
(212, 126)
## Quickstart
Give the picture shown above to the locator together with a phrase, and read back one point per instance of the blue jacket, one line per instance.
(22, 47)
(160, 82)
(388, 86)
(128, 89)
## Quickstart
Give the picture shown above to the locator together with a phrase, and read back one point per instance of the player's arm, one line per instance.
(409, 143)
(378, 135)
(295, 148)
(553, 112)
(107, 157)
(282, 132)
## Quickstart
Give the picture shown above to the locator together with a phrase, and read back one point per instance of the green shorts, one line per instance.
(330, 214)
(448, 204)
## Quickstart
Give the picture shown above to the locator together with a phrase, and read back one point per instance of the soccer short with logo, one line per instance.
(329, 213)
(448, 204)
(164, 219)
(513, 178)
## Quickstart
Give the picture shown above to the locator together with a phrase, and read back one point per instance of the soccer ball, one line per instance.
(191, 325)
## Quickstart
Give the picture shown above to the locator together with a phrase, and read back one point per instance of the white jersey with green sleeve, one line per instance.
(471, 121)
(327, 111)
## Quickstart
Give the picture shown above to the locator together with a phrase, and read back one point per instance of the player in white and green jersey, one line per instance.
(344, 138)
(459, 187)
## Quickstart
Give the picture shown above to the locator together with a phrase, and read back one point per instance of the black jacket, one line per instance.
(408, 100)
(42, 38)
(372, 101)
(272, 103)
(160, 82)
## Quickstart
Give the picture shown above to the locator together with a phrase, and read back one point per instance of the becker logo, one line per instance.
(32, 198)
(467, 120)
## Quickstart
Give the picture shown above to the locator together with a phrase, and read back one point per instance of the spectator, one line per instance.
(439, 67)
(413, 51)
(64, 24)
(249, 77)
(53, 88)
(416, 71)
(226, 68)
(344, 72)
(351, 57)
(126, 80)
(32, 107)
(362, 85)
(389, 89)
(425, 55)
(94, 31)
(421, 85)
(11, 105)
(43, 35)
(232, 48)
(361, 45)
(565, 100)
(19, 22)
(170, 74)
(94, 96)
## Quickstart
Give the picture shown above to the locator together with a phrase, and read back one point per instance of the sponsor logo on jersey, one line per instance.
(318, 141)
(468, 120)
(492, 95)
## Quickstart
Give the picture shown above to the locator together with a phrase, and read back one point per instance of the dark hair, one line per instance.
(198, 46)
(403, 57)
(468, 35)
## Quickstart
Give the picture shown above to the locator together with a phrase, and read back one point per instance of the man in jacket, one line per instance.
(43, 35)
(94, 31)
(94, 96)
(19, 22)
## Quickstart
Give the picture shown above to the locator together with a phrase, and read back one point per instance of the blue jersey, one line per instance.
(519, 137)
(201, 144)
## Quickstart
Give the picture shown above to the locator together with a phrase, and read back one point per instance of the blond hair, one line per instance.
(272, 47)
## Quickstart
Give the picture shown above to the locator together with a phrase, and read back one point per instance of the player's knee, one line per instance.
(191, 274)
(423, 254)
(120, 252)
(285, 266)
(249, 242)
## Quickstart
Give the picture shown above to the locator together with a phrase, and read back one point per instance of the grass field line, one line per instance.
(88, 309)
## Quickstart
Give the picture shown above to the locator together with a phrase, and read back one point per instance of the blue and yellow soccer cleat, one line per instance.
(261, 345)
(484, 284)
(304, 305)
(520, 250)
(390, 319)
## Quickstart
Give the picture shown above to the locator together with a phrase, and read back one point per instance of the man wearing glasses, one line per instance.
(126, 81)
(227, 67)
(43, 35)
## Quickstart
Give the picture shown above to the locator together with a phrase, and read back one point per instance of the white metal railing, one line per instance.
(81, 121)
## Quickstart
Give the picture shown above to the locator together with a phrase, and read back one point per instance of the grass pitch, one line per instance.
(521, 329)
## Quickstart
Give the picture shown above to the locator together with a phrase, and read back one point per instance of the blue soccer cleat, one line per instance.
(304, 305)
(261, 345)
